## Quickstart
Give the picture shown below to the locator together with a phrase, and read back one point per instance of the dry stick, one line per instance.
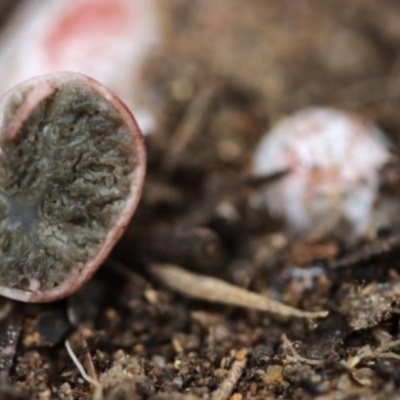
(190, 126)
(217, 291)
(199, 247)
(295, 356)
(266, 179)
(98, 389)
(88, 361)
(236, 371)
(379, 247)
(382, 351)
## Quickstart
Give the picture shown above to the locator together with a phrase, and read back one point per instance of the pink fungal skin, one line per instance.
(43, 87)
(333, 161)
(107, 40)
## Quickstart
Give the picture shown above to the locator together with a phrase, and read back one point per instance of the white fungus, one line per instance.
(333, 160)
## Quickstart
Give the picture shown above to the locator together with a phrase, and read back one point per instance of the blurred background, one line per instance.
(283, 55)
(293, 54)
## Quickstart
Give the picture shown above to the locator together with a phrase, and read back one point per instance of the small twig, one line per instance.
(380, 352)
(367, 252)
(295, 356)
(191, 124)
(389, 354)
(229, 383)
(197, 247)
(217, 291)
(98, 389)
(266, 179)
(88, 361)
(385, 347)
(6, 307)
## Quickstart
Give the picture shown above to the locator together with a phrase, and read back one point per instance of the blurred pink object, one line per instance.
(104, 39)
(334, 160)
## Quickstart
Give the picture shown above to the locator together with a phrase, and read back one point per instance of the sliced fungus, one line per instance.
(64, 178)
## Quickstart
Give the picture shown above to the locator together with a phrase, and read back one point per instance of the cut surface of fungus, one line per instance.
(72, 165)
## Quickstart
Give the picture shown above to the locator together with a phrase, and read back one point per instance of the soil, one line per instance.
(226, 72)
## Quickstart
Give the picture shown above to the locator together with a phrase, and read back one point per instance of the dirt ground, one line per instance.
(227, 71)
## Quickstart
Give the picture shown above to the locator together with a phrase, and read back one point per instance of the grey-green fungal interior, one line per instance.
(64, 179)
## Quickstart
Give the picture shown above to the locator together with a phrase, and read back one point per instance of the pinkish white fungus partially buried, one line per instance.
(333, 161)
(72, 166)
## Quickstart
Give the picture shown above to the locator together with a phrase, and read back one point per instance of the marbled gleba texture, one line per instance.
(71, 169)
